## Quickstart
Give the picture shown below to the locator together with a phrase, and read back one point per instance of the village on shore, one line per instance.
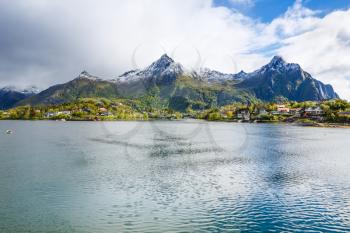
(332, 111)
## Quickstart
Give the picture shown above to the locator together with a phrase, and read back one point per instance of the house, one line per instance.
(295, 112)
(106, 114)
(53, 114)
(281, 108)
(262, 111)
(313, 111)
(50, 114)
(243, 114)
(64, 113)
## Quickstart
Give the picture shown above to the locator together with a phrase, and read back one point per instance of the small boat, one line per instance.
(8, 131)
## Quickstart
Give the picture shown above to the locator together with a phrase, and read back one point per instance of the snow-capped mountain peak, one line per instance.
(241, 75)
(31, 90)
(279, 65)
(27, 90)
(85, 75)
(165, 58)
(164, 66)
(161, 64)
(213, 75)
(277, 60)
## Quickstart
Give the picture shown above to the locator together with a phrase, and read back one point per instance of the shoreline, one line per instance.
(300, 124)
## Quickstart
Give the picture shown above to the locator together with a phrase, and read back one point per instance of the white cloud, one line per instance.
(296, 20)
(320, 45)
(56, 39)
(50, 41)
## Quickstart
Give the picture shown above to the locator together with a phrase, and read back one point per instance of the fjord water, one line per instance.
(173, 176)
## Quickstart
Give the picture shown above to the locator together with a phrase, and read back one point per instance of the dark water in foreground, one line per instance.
(173, 177)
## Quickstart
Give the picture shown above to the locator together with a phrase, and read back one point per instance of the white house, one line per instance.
(314, 111)
(53, 114)
(50, 114)
(64, 113)
(243, 114)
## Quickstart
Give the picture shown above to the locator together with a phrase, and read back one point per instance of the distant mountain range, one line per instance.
(170, 81)
(10, 95)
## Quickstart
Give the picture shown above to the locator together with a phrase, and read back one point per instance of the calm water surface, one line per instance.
(173, 177)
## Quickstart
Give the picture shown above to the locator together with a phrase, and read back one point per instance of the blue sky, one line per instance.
(267, 10)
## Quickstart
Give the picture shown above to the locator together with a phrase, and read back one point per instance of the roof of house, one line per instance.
(313, 108)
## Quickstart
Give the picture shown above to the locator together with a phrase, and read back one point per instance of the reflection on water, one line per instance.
(172, 176)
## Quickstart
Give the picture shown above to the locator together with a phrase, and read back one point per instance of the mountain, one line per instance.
(281, 80)
(10, 95)
(164, 67)
(182, 88)
(179, 88)
(214, 76)
(85, 85)
(164, 78)
(162, 73)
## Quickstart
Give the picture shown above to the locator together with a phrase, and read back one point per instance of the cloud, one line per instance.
(46, 42)
(320, 45)
(296, 20)
(51, 41)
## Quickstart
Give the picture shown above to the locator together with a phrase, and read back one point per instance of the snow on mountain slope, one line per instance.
(27, 90)
(164, 66)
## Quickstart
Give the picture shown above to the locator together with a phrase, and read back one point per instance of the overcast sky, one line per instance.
(45, 42)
